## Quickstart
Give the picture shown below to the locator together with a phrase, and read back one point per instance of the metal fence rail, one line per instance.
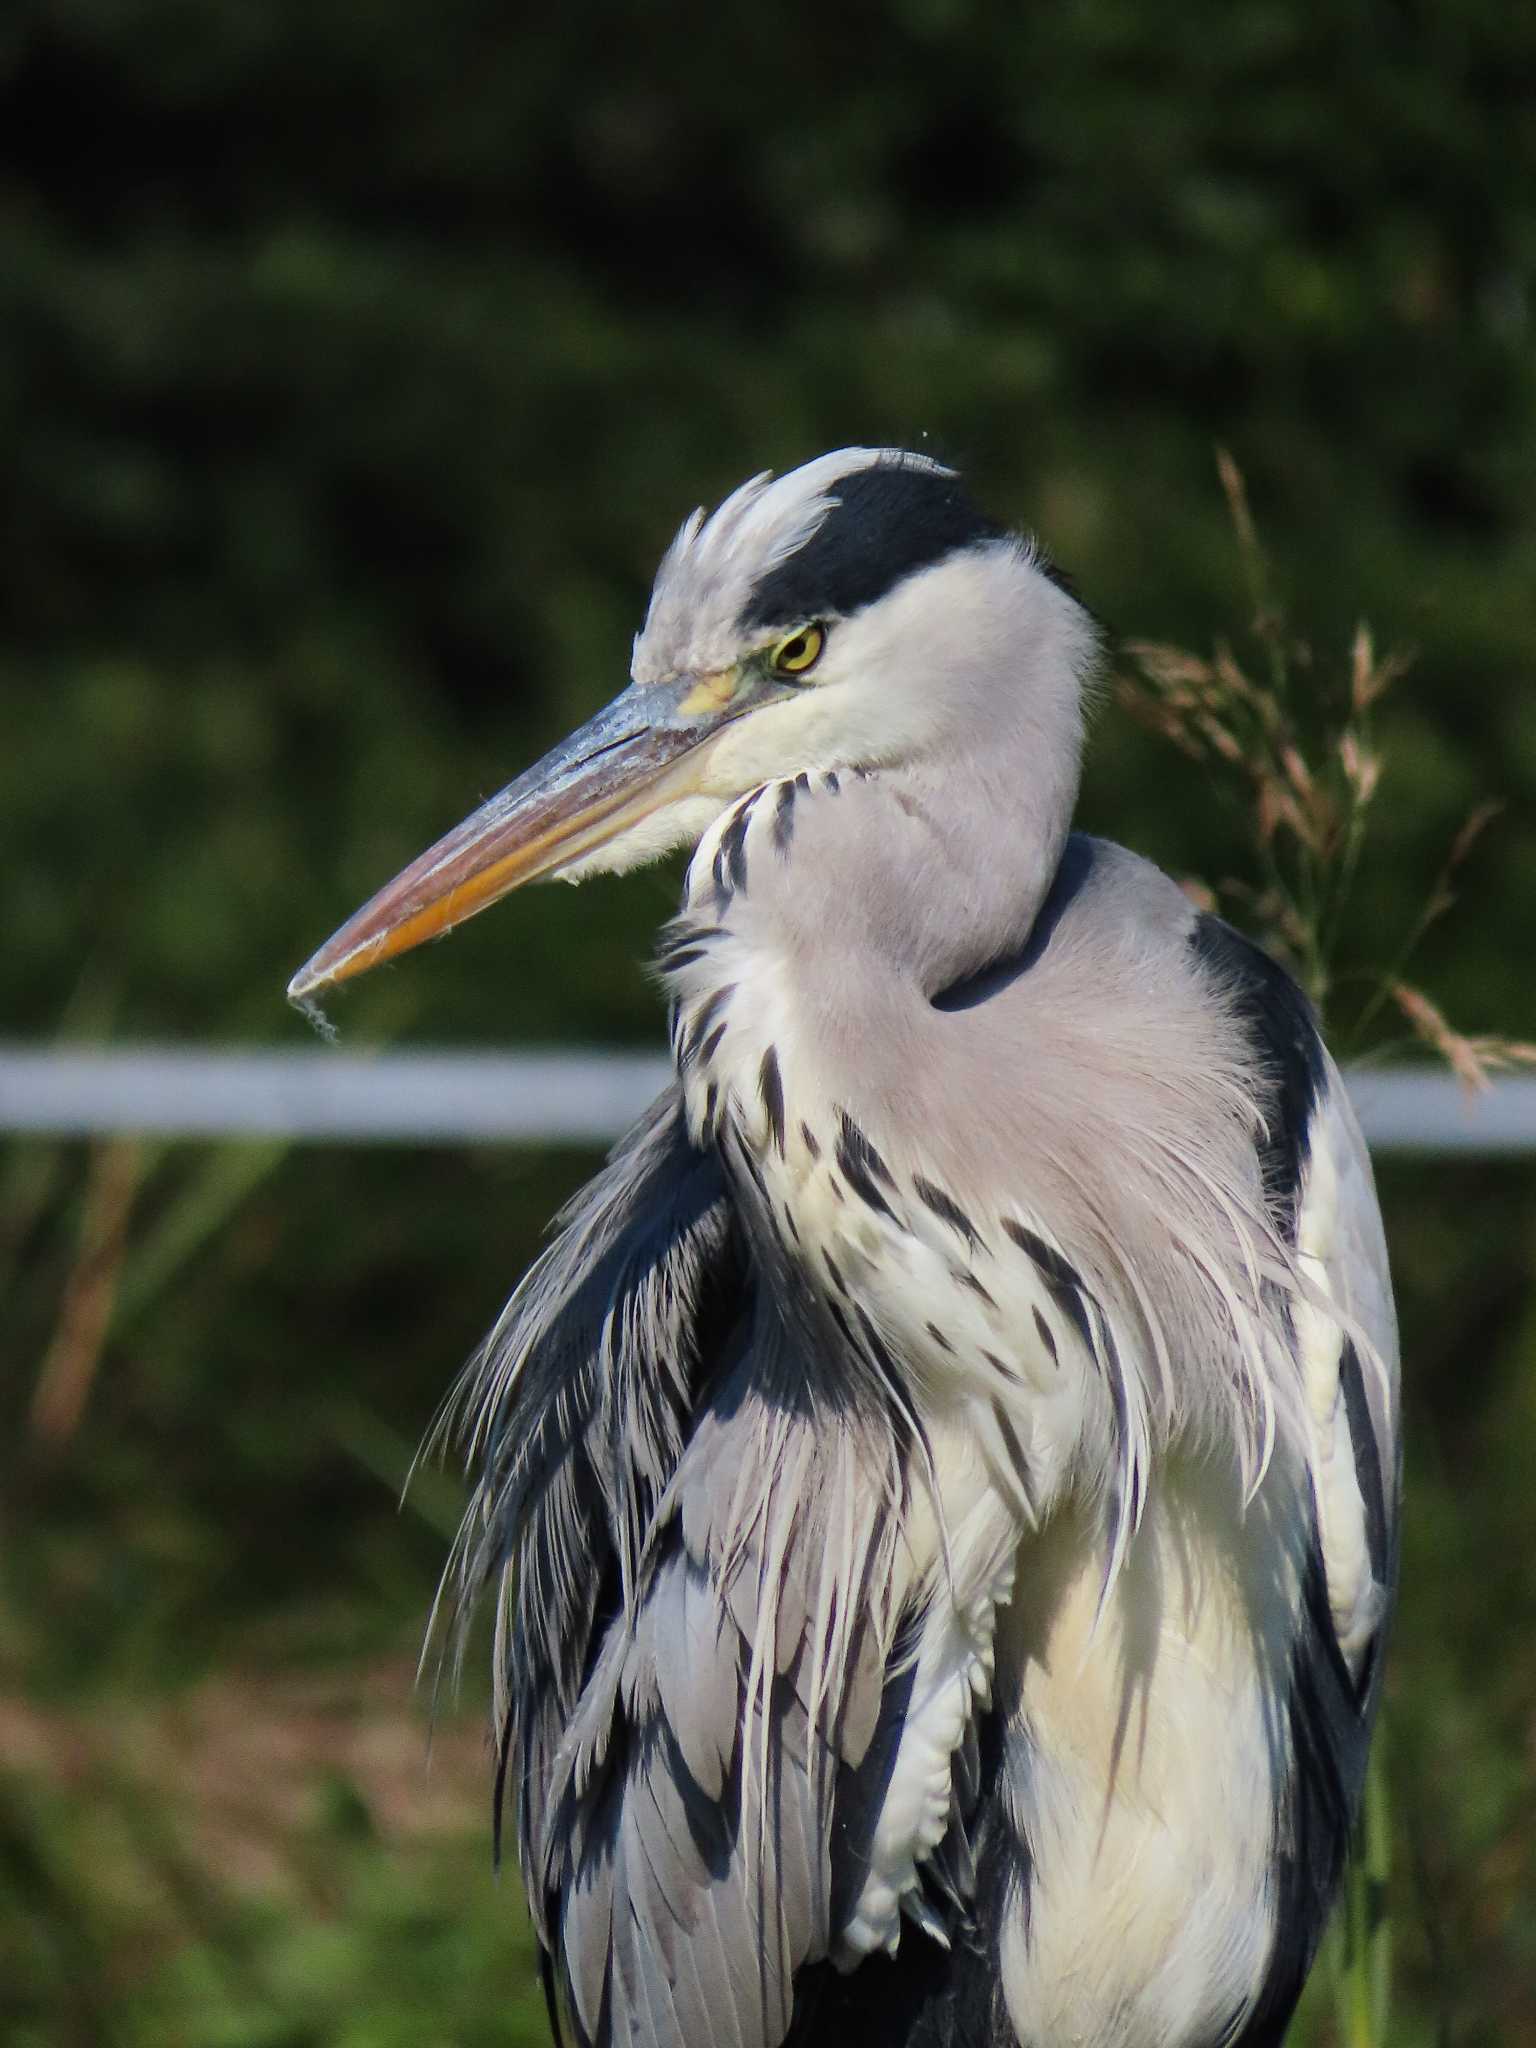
(329, 1098)
(434, 1098)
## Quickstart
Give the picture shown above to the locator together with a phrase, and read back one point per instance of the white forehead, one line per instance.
(711, 568)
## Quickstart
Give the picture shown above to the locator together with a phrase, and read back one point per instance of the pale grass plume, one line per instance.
(1474, 1059)
(1289, 745)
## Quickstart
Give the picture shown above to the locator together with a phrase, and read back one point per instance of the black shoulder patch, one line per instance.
(886, 522)
(1063, 579)
(1283, 1025)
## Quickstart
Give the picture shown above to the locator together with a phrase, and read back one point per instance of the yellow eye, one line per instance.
(801, 651)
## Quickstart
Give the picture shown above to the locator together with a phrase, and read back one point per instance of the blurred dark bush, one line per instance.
(356, 362)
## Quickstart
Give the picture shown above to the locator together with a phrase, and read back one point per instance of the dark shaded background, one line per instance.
(356, 362)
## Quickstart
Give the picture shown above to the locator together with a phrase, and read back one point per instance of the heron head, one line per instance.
(855, 613)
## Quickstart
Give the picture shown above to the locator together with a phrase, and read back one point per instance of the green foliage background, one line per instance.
(356, 362)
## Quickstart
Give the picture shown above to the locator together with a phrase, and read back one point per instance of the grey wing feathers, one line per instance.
(575, 1414)
(1318, 1183)
(1317, 1178)
(1363, 1282)
(693, 1638)
(688, 1850)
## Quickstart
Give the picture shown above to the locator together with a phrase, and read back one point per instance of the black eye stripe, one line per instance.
(889, 521)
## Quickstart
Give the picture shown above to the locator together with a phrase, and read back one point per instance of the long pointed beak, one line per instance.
(616, 770)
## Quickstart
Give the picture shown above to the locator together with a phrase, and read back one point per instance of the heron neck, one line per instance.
(965, 860)
(824, 916)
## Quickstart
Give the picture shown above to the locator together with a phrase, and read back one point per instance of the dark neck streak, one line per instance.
(979, 986)
(949, 874)
(892, 894)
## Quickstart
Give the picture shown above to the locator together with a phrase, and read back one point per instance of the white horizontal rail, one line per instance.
(423, 1098)
(427, 1098)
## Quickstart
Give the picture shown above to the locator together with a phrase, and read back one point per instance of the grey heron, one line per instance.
(939, 1485)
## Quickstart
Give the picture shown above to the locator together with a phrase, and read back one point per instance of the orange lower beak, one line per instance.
(616, 770)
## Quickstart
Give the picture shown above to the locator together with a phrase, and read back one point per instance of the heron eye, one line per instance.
(801, 651)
